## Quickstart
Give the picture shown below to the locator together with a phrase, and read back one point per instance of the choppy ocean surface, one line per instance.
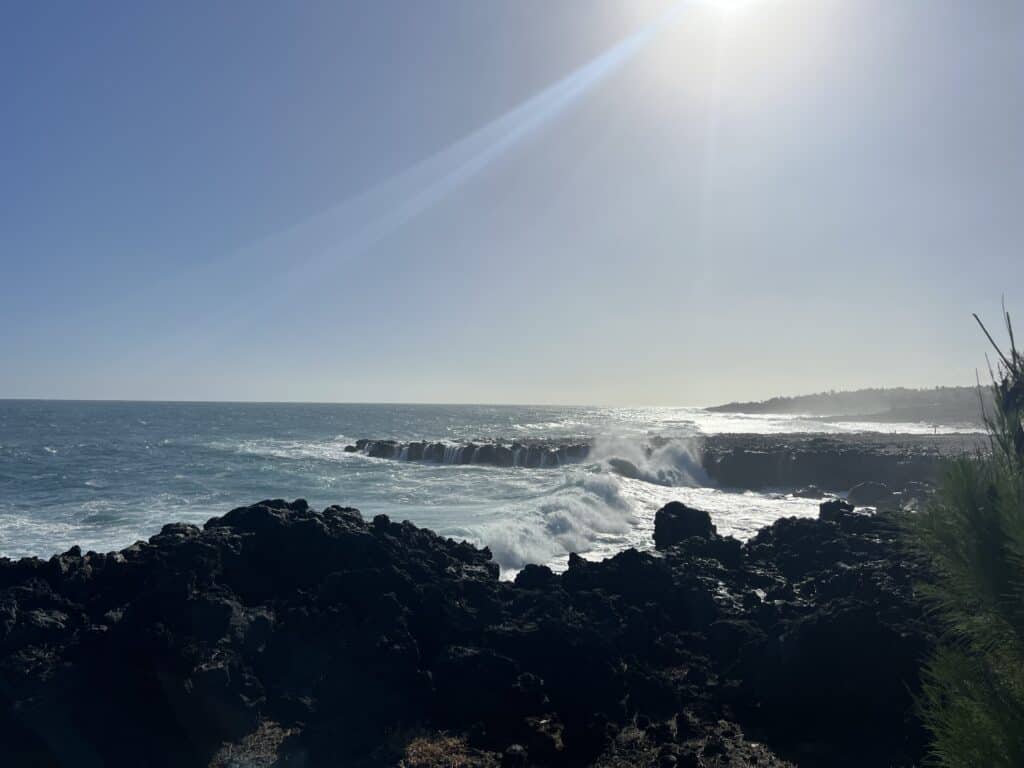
(105, 474)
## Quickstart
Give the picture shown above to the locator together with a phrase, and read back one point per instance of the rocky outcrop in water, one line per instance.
(279, 635)
(886, 470)
(832, 462)
(532, 455)
(676, 522)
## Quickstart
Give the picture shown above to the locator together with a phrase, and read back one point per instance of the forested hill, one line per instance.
(940, 405)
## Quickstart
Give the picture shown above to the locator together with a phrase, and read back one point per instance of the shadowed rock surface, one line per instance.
(832, 462)
(676, 522)
(279, 635)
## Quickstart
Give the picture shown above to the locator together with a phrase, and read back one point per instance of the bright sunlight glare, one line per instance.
(731, 7)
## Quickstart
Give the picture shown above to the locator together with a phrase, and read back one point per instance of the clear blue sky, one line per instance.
(408, 201)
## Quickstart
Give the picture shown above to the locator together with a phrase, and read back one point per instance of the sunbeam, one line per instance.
(355, 225)
(314, 249)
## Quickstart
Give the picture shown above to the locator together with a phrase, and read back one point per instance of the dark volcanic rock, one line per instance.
(869, 493)
(369, 643)
(535, 577)
(832, 462)
(808, 465)
(676, 521)
(831, 511)
(503, 457)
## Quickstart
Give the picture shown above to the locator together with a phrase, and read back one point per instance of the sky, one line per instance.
(582, 202)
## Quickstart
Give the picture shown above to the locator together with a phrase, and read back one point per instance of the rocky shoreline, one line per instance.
(786, 462)
(832, 462)
(280, 635)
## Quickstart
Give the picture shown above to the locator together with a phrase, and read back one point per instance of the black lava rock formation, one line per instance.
(280, 635)
(877, 469)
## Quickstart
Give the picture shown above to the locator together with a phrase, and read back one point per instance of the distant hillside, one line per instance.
(941, 405)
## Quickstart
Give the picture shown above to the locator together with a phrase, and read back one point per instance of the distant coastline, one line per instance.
(938, 405)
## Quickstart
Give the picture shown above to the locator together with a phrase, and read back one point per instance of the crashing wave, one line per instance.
(588, 514)
(660, 460)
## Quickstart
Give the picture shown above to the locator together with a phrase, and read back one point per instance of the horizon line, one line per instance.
(737, 401)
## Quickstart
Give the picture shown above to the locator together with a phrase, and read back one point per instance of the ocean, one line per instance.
(105, 474)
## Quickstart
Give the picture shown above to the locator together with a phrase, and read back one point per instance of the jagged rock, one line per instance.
(869, 493)
(676, 521)
(346, 634)
(831, 511)
(535, 577)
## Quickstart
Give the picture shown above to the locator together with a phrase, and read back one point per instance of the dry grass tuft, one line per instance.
(442, 750)
(260, 749)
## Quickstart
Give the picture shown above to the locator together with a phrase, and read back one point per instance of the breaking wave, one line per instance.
(594, 512)
(587, 514)
(658, 460)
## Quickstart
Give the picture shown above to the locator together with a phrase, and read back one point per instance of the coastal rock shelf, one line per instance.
(833, 462)
(785, 461)
(280, 635)
(532, 455)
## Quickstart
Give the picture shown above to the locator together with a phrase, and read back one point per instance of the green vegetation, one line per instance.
(973, 536)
